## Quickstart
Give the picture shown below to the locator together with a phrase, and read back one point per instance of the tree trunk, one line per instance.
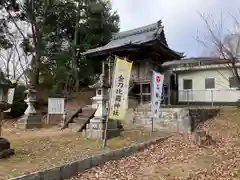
(75, 61)
(34, 76)
(1, 122)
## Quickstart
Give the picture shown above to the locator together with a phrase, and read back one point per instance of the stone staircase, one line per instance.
(81, 119)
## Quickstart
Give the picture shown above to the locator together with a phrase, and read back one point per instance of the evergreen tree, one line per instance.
(60, 30)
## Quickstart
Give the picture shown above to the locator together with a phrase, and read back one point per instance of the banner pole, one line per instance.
(105, 131)
(152, 124)
(120, 92)
(152, 94)
(108, 111)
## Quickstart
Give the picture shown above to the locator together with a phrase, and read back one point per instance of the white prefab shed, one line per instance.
(205, 81)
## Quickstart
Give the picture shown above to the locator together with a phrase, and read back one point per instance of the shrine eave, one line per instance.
(131, 47)
(133, 40)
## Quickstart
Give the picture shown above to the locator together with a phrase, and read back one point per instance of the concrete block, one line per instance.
(127, 151)
(69, 170)
(84, 164)
(33, 176)
(134, 148)
(140, 146)
(108, 156)
(51, 174)
(97, 160)
(118, 154)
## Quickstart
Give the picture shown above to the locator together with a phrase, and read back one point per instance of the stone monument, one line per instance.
(31, 119)
(95, 129)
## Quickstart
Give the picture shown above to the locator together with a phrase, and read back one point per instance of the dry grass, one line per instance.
(41, 149)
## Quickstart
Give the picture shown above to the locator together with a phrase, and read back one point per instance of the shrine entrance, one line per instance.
(142, 92)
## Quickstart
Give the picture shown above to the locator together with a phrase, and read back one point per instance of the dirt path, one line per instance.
(179, 158)
(13, 133)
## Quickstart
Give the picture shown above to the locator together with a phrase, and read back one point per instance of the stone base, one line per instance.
(99, 134)
(95, 129)
(54, 119)
(30, 121)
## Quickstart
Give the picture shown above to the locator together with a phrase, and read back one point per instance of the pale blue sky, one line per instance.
(180, 18)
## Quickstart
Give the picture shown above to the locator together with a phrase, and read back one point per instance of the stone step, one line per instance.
(83, 118)
(85, 114)
(80, 120)
(141, 113)
(71, 113)
(73, 126)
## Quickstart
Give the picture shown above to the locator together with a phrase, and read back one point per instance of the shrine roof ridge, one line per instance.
(135, 36)
(139, 30)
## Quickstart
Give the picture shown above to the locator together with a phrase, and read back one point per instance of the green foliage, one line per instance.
(96, 26)
(60, 31)
(18, 106)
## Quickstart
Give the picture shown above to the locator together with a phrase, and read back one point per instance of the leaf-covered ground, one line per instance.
(41, 149)
(178, 158)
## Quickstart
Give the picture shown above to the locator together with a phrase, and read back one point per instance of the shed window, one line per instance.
(209, 83)
(187, 84)
(233, 82)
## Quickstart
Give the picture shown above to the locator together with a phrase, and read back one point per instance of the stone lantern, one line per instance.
(101, 97)
(95, 129)
(31, 119)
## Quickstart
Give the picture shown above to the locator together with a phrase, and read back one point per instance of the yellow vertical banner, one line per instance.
(119, 90)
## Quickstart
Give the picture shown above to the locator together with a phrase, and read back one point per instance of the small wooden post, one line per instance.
(169, 89)
(169, 93)
(141, 93)
(104, 104)
(1, 122)
(109, 70)
(152, 123)
(105, 131)
(212, 96)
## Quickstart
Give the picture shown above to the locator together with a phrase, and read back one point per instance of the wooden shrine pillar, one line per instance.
(141, 93)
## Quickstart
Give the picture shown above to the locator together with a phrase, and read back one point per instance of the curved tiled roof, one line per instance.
(140, 30)
(135, 36)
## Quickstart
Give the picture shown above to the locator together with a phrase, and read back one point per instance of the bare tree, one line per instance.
(226, 46)
(31, 36)
(14, 60)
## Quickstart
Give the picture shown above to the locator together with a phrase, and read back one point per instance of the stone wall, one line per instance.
(170, 119)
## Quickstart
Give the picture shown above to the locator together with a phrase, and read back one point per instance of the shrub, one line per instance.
(18, 106)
